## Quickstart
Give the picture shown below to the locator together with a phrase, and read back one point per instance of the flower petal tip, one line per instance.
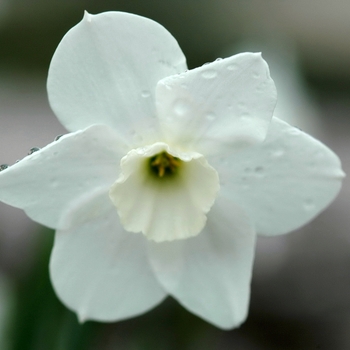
(87, 17)
(82, 318)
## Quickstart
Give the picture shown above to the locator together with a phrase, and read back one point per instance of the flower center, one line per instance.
(164, 164)
(163, 193)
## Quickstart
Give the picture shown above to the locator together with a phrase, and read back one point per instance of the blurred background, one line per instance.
(301, 282)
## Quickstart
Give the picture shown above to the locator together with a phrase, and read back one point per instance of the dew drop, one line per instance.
(180, 107)
(209, 74)
(140, 150)
(139, 138)
(277, 153)
(231, 67)
(211, 116)
(308, 204)
(294, 132)
(3, 167)
(223, 161)
(248, 170)
(259, 171)
(54, 183)
(32, 150)
(58, 137)
(218, 59)
(319, 155)
(145, 94)
(135, 136)
(245, 116)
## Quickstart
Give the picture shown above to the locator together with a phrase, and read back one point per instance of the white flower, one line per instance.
(171, 153)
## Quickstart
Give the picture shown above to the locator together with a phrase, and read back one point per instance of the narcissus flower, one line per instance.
(167, 174)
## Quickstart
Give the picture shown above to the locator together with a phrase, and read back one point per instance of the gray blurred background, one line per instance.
(301, 284)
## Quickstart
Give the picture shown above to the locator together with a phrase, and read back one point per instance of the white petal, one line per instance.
(105, 71)
(229, 102)
(284, 182)
(99, 270)
(44, 183)
(167, 208)
(210, 274)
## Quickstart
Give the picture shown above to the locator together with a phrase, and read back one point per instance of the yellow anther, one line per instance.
(164, 164)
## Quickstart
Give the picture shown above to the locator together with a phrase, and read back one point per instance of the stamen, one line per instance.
(164, 164)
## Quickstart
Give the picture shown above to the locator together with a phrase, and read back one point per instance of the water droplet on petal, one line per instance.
(181, 107)
(32, 150)
(211, 116)
(54, 183)
(141, 150)
(168, 87)
(223, 160)
(277, 153)
(231, 67)
(245, 116)
(248, 170)
(259, 171)
(58, 137)
(3, 167)
(294, 132)
(145, 94)
(135, 136)
(138, 138)
(218, 59)
(308, 204)
(209, 74)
